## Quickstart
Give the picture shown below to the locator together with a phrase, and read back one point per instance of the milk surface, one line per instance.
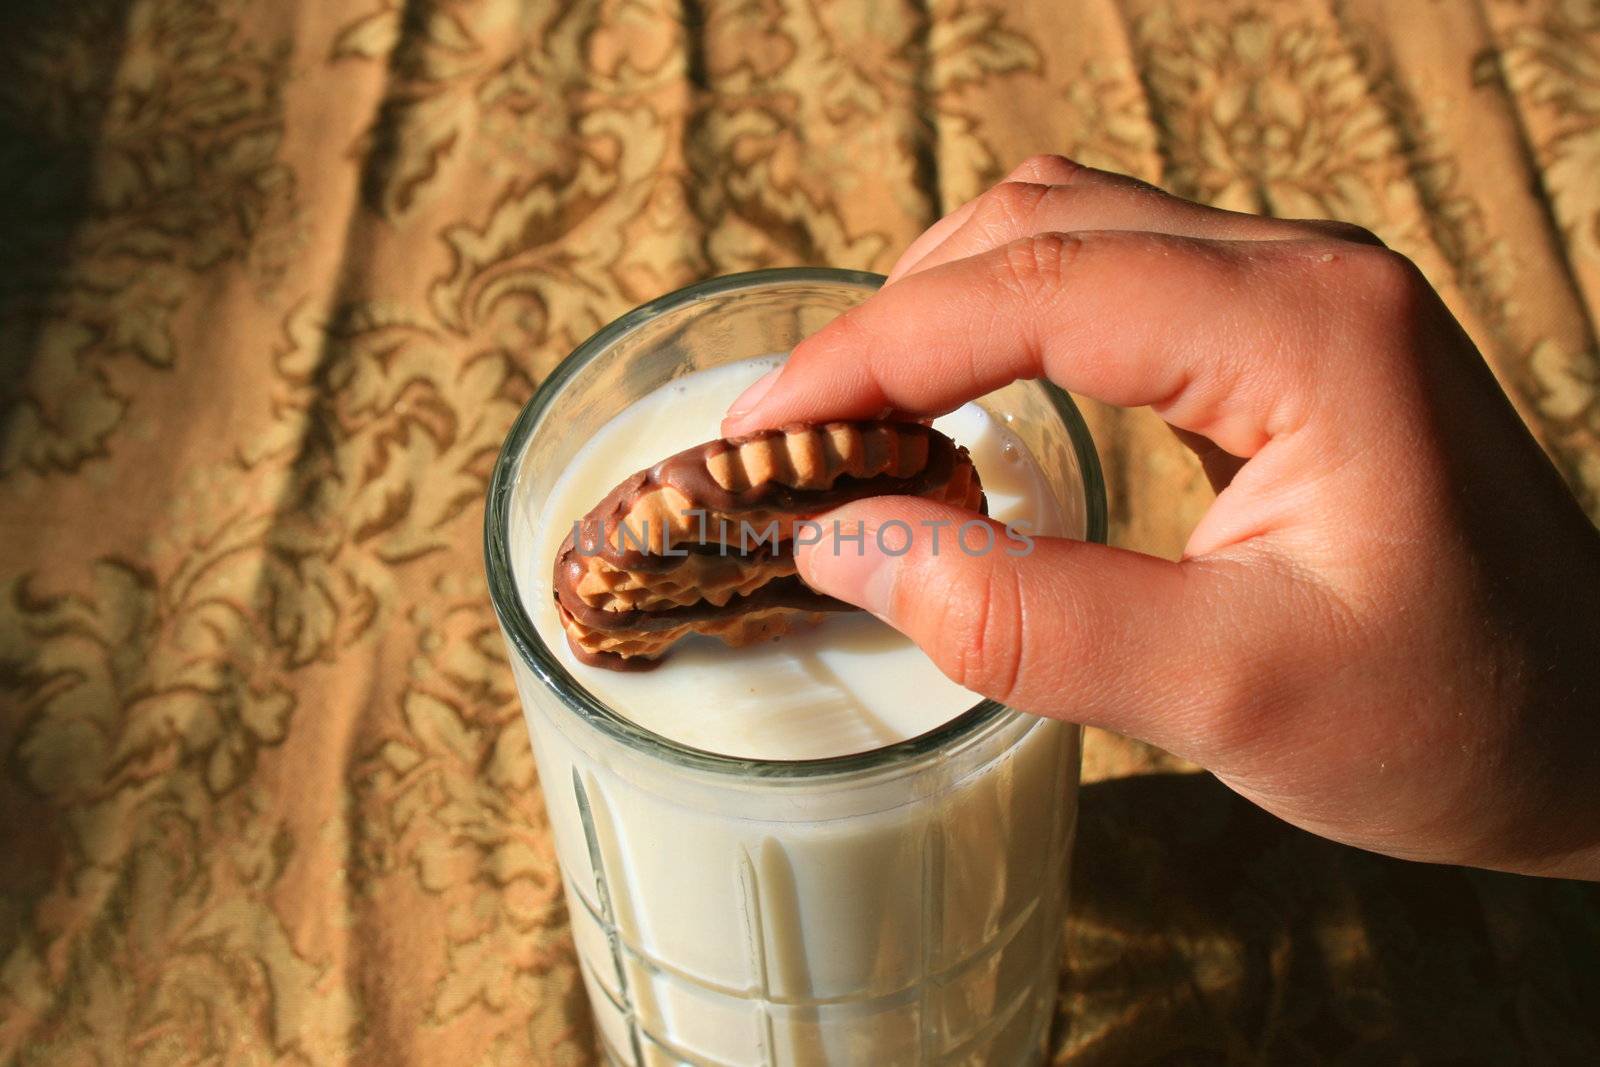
(849, 684)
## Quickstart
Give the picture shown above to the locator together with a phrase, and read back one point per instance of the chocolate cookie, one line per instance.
(703, 541)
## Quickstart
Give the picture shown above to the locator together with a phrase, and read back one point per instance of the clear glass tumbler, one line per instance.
(899, 906)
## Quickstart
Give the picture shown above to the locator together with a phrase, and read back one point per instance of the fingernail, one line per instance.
(746, 401)
(852, 569)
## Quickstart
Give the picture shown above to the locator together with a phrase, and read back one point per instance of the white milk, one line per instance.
(907, 914)
(836, 688)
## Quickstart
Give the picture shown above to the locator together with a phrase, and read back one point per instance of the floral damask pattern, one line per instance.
(553, 259)
(449, 808)
(1271, 117)
(1553, 60)
(141, 706)
(462, 65)
(138, 150)
(275, 281)
(1549, 58)
(811, 101)
(1568, 384)
(385, 432)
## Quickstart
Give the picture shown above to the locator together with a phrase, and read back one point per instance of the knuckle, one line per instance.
(1036, 267)
(1369, 290)
(1011, 204)
(1050, 169)
(979, 628)
(1390, 284)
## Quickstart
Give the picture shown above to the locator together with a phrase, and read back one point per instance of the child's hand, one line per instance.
(1386, 629)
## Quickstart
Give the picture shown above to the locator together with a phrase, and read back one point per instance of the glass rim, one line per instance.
(524, 636)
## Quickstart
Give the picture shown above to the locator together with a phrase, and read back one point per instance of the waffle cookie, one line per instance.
(703, 541)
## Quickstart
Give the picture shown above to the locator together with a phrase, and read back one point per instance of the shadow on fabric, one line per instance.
(1204, 930)
(54, 95)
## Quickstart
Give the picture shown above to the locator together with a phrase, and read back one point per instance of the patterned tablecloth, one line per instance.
(276, 277)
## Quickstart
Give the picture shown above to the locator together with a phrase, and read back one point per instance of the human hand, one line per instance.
(1385, 629)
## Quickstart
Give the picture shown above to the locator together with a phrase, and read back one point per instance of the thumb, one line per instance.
(1049, 625)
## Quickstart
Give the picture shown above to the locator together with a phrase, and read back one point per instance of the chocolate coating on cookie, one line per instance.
(622, 605)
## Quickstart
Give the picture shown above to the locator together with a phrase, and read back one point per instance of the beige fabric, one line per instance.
(275, 279)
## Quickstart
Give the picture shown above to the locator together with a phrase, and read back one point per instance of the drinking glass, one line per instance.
(897, 906)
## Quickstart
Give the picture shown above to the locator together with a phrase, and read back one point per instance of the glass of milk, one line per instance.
(818, 850)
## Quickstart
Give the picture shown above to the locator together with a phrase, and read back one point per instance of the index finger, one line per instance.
(1218, 336)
